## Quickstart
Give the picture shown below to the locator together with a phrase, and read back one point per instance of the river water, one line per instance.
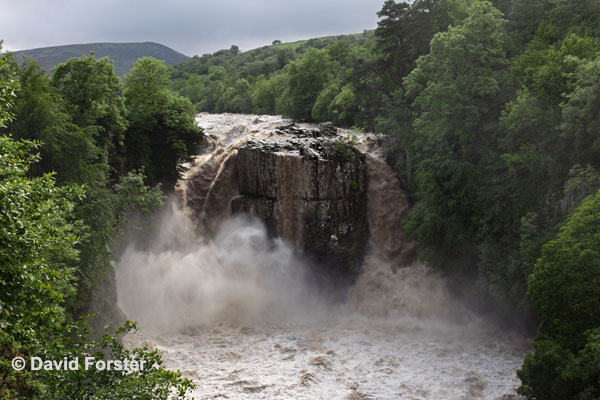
(235, 311)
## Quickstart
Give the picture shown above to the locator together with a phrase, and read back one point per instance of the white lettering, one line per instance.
(73, 364)
(89, 363)
(100, 365)
(36, 363)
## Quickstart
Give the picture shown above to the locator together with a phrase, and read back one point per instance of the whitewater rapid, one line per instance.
(236, 311)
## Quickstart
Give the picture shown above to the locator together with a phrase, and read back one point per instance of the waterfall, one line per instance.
(239, 311)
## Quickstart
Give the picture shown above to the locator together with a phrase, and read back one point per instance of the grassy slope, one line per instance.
(294, 45)
(123, 54)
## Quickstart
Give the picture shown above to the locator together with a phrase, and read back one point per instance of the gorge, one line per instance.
(279, 271)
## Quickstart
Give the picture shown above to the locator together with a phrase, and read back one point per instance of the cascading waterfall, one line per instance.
(238, 312)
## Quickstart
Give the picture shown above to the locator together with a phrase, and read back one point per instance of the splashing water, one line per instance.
(185, 281)
(237, 312)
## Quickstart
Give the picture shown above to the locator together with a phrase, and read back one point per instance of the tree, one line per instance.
(41, 114)
(581, 113)
(236, 98)
(193, 89)
(37, 258)
(8, 89)
(76, 154)
(405, 30)
(393, 42)
(565, 289)
(91, 90)
(581, 17)
(343, 106)
(162, 133)
(320, 110)
(268, 94)
(336, 105)
(39, 262)
(213, 88)
(526, 16)
(306, 79)
(453, 91)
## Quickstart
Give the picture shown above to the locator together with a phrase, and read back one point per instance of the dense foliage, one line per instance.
(565, 288)
(39, 258)
(66, 189)
(307, 80)
(161, 134)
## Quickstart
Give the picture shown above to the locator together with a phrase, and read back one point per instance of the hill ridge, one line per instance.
(124, 54)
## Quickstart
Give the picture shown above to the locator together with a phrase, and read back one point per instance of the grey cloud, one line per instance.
(191, 27)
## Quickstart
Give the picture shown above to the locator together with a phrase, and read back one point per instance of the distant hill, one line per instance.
(324, 41)
(123, 54)
(260, 61)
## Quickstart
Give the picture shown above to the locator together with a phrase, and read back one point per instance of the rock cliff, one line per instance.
(310, 188)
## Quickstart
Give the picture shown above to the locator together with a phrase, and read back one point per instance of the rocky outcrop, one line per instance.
(310, 188)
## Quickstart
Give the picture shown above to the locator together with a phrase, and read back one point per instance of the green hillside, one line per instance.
(322, 41)
(263, 60)
(123, 54)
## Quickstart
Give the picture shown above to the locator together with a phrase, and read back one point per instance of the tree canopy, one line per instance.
(54, 241)
(162, 131)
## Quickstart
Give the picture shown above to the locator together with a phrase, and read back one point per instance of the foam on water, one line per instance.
(237, 312)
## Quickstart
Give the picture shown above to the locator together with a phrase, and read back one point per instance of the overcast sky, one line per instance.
(189, 26)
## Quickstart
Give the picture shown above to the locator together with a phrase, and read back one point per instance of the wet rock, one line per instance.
(312, 192)
(327, 129)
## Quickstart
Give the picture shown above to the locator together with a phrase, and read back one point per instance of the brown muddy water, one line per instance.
(234, 310)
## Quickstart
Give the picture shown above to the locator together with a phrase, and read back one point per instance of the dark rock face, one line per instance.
(311, 190)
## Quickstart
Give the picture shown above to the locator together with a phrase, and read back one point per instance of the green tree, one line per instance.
(213, 88)
(565, 289)
(343, 106)
(268, 94)
(454, 89)
(580, 113)
(320, 110)
(405, 30)
(92, 90)
(580, 16)
(582, 182)
(193, 88)
(336, 105)
(306, 79)
(526, 16)
(40, 114)
(153, 382)
(8, 89)
(37, 259)
(76, 155)
(162, 133)
(236, 98)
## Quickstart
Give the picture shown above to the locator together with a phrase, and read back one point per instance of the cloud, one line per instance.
(189, 26)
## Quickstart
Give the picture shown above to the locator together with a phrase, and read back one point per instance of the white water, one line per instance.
(237, 313)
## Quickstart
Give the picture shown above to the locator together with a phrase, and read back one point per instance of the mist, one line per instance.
(241, 313)
(241, 275)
